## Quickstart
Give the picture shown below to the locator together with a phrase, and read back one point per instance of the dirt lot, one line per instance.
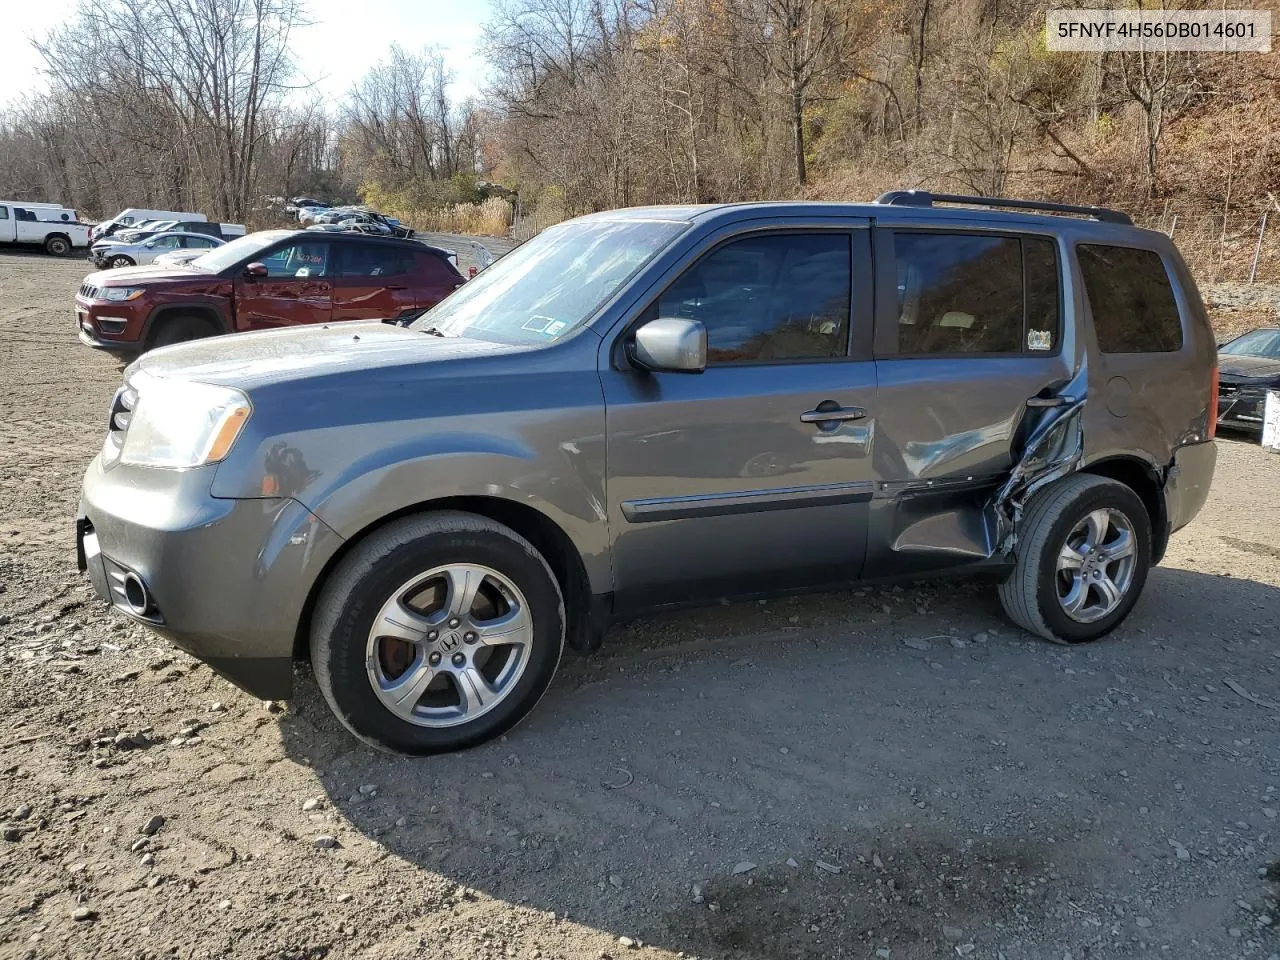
(781, 780)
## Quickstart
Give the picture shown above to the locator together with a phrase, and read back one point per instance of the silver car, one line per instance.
(114, 253)
(651, 407)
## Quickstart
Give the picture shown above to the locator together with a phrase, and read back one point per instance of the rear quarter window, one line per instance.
(434, 270)
(1131, 299)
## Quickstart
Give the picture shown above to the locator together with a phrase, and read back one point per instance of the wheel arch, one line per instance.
(61, 236)
(1144, 480)
(582, 613)
(167, 311)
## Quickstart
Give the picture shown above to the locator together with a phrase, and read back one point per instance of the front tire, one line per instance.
(121, 261)
(180, 329)
(436, 633)
(1082, 558)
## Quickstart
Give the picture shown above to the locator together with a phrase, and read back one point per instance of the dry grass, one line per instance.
(1229, 324)
(490, 218)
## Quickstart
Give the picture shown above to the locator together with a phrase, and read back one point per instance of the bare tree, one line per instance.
(189, 81)
(1148, 78)
(800, 41)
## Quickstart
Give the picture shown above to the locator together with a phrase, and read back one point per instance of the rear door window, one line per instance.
(1131, 299)
(359, 260)
(769, 298)
(973, 294)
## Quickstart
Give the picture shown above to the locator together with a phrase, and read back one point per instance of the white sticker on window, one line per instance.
(1039, 339)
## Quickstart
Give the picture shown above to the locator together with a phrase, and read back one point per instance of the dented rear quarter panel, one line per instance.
(1145, 405)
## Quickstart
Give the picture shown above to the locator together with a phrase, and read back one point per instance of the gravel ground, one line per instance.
(875, 773)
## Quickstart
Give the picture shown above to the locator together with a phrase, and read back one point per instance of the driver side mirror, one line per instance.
(255, 270)
(671, 345)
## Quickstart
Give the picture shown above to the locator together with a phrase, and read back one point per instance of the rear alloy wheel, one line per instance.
(1096, 565)
(57, 246)
(120, 261)
(1082, 557)
(438, 632)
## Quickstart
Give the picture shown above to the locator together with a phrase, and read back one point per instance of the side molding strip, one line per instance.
(746, 501)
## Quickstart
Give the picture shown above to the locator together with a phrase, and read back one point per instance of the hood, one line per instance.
(150, 275)
(268, 357)
(1244, 366)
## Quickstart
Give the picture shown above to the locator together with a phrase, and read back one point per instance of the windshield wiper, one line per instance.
(434, 331)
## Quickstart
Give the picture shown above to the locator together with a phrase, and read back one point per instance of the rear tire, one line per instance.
(57, 246)
(407, 663)
(1082, 558)
(180, 329)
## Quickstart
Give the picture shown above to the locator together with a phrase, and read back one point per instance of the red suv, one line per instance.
(270, 279)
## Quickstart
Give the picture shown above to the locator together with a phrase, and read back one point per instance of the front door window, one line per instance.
(298, 260)
(769, 298)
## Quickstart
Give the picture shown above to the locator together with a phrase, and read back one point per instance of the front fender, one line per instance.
(401, 479)
(389, 459)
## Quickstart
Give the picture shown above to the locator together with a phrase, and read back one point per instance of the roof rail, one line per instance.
(923, 198)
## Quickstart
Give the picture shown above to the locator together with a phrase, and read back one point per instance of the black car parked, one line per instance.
(1248, 367)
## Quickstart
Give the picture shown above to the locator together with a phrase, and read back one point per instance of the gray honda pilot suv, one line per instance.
(650, 407)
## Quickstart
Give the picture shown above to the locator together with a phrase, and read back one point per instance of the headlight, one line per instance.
(116, 294)
(179, 424)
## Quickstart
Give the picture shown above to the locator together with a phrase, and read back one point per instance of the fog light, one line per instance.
(113, 325)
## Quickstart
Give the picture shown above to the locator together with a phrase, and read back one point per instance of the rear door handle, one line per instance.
(1057, 401)
(835, 413)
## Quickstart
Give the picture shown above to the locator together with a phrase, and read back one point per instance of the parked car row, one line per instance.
(135, 220)
(157, 248)
(135, 237)
(274, 278)
(319, 215)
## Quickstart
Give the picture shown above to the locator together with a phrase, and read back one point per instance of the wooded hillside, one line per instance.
(601, 103)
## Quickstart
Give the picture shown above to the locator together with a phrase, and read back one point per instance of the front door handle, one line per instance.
(824, 413)
(1056, 401)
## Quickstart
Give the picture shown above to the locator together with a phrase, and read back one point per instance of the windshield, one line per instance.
(1255, 343)
(545, 289)
(241, 249)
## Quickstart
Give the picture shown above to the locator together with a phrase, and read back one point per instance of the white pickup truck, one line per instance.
(44, 224)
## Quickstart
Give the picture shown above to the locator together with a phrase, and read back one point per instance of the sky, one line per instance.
(344, 40)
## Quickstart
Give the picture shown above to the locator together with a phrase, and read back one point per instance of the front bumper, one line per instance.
(89, 337)
(114, 326)
(226, 580)
(1241, 407)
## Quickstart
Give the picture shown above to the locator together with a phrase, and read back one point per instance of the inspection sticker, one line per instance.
(1039, 339)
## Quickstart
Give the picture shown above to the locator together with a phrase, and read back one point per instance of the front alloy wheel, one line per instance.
(449, 645)
(437, 632)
